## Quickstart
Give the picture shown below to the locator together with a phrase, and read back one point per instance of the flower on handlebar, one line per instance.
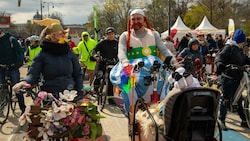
(62, 118)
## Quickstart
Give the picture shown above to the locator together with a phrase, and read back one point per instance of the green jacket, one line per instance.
(81, 49)
(32, 53)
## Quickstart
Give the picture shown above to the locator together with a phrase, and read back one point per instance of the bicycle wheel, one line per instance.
(102, 95)
(4, 105)
(14, 104)
(246, 108)
(217, 132)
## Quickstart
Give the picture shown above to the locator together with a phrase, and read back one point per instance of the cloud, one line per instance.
(73, 11)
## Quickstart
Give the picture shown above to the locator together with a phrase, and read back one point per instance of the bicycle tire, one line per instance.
(246, 108)
(217, 132)
(14, 106)
(4, 105)
(102, 95)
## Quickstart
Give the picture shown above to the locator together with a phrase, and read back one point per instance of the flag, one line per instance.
(230, 26)
(95, 23)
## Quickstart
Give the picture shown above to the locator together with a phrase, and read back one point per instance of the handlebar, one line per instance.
(6, 65)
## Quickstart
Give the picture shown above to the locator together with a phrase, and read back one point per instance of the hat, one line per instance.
(239, 36)
(137, 11)
(54, 27)
(189, 35)
(109, 29)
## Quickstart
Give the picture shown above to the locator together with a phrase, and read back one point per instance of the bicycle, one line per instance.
(244, 91)
(7, 101)
(105, 83)
(156, 72)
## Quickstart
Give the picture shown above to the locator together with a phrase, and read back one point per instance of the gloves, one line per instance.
(197, 61)
(127, 70)
(16, 88)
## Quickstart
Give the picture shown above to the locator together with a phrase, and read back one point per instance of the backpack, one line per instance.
(11, 41)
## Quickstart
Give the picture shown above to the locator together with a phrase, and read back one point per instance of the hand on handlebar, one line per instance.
(18, 86)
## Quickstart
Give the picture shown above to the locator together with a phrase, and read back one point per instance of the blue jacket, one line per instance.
(59, 67)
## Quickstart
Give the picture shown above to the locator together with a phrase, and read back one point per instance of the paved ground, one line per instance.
(115, 125)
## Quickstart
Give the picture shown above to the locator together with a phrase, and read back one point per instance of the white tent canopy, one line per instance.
(180, 27)
(207, 27)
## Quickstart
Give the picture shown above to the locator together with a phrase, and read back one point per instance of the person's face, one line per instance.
(111, 36)
(55, 36)
(32, 43)
(85, 37)
(201, 37)
(195, 46)
(137, 21)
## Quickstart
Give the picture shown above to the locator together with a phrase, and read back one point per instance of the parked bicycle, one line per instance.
(7, 98)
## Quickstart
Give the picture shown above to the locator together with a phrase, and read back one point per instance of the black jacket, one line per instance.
(231, 54)
(59, 67)
(107, 48)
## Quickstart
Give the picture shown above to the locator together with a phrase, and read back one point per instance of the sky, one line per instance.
(72, 11)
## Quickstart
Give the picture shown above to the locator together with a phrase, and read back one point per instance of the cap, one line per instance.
(137, 11)
(189, 34)
(109, 29)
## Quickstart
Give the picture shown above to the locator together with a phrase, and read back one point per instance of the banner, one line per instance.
(95, 23)
(230, 26)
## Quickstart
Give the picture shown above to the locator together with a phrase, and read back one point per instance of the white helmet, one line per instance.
(34, 38)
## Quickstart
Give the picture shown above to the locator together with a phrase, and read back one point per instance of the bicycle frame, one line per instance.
(244, 83)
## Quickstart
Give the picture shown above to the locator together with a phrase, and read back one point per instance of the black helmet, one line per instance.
(192, 41)
(109, 29)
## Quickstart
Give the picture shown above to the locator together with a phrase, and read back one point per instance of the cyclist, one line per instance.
(11, 53)
(58, 65)
(193, 52)
(85, 47)
(33, 49)
(136, 44)
(232, 54)
(108, 50)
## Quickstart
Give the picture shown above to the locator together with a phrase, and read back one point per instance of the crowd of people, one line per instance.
(60, 62)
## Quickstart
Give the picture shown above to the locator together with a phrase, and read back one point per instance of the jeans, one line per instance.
(229, 87)
(15, 78)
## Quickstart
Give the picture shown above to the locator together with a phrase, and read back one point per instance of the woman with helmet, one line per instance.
(193, 54)
(33, 49)
(108, 50)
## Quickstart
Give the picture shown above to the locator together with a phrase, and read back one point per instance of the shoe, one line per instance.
(222, 125)
(244, 124)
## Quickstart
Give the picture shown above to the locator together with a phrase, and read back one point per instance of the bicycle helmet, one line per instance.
(34, 38)
(109, 29)
(192, 41)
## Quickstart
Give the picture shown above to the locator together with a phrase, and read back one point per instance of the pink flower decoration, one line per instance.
(86, 130)
(42, 94)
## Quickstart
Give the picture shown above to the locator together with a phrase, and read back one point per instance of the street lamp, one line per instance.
(48, 4)
(169, 17)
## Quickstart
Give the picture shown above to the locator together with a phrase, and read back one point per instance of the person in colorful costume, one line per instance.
(137, 44)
